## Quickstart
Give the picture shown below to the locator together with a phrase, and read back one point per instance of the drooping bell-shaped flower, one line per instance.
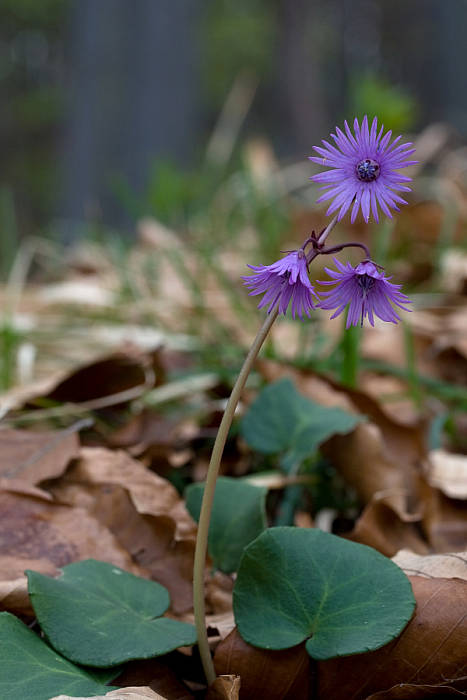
(284, 282)
(365, 290)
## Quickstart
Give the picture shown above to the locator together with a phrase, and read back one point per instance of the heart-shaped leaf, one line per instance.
(295, 584)
(31, 670)
(238, 516)
(99, 615)
(283, 420)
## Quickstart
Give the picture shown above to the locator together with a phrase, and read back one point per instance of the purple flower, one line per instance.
(366, 290)
(284, 281)
(363, 170)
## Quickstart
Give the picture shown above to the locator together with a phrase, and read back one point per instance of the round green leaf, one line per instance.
(238, 516)
(99, 615)
(283, 420)
(295, 584)
(31, 670)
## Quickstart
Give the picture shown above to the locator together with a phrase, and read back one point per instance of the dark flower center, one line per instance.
(365, 283)
(367, 170)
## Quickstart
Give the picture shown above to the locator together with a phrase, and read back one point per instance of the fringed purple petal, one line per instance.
(283, 282)
(365, 290)
(349, 179)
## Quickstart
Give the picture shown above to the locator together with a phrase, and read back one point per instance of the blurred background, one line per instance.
(113, 110)
(152, 149)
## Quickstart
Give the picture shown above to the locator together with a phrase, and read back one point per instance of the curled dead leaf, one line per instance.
(150, 493)
(444, 520)
(106, 377)
(386, 527)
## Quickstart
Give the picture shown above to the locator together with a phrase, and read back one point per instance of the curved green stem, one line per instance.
(209, 489)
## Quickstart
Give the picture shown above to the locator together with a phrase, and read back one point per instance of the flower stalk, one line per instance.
(208, 497)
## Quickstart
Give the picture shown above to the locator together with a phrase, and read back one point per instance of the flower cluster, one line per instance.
(364, 176)
(364, 289)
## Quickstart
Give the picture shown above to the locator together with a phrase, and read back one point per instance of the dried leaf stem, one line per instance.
(208, 498)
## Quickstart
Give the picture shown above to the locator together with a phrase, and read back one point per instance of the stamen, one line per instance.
(366, 283)
(367, 170)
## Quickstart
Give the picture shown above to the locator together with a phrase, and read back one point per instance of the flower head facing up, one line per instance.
(283, 282)
(363, 170)
(367, 292)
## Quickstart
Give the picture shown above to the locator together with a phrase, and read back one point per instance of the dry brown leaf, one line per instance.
(444, 520)
(430, 650)
(448, 473)
(104, 377)
(386, 528)
(156, 674)
(135, 693)
(406, 691)
(33, 457)
(224, 688)
(42, 535)
(220, 625)
(451, 565)
(150, 493)
(276, 675)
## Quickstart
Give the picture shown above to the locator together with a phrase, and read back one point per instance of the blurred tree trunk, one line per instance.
(133, 99)
(300, 106)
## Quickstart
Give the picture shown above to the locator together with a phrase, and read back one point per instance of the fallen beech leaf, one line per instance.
(448, 473)
(276, 675)
(107, 376)
(406, 691)
(224, 688)
(44, 535)
(384, 527)
(76, 291)
(451, 565)
(430, 650)
(444, 520)
(33, 456)
(150, 493)
(135, 693)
